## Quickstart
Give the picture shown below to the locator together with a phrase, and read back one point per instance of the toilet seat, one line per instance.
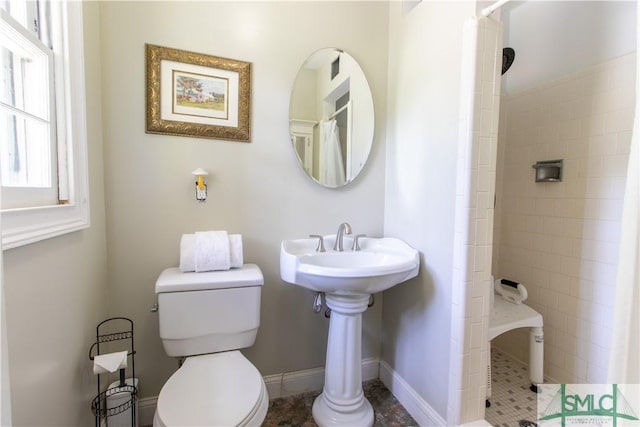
(221, 389)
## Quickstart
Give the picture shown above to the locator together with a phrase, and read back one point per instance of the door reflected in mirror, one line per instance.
(331, 117)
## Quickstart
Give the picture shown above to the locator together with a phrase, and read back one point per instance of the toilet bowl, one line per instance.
(222, 389)
(207, 318)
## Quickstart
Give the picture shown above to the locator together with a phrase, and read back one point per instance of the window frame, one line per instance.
(38, 195)
(22, 226)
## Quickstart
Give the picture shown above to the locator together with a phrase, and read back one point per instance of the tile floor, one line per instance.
(295, 411)
(512, 403)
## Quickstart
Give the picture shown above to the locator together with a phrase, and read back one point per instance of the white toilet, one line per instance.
(207, 317)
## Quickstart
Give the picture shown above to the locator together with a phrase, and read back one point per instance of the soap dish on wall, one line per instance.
(548, 170)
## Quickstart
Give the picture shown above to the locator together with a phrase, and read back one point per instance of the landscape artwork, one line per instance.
(200, 95)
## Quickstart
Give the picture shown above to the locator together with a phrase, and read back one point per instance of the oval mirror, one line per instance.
(331, 117)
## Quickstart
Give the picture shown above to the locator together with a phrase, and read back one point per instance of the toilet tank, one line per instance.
(208, 312)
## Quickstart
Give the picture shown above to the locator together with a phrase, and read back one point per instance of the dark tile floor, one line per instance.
(295, 411)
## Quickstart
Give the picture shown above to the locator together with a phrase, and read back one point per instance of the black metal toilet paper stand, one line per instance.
(115, 334)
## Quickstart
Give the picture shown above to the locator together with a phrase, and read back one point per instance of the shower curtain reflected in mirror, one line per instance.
(333, 164)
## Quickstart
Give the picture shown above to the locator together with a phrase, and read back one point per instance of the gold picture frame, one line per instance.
(196, 95)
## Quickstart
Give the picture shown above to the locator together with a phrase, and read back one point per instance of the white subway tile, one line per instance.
(577, 367)
(585, 293)
(595, 166)
(611, 209)
(606, 101)
(619, 121)
(579, 149)
(618, 184)
(615, 165)
(623, 75)
(602, 145)
(582, 106)
(561, 240)
(623, 142)
(565, 208)
(592, 124)
(573, 227)
(549, 299)
(568, 305)
(569, 129)
(568, 344)
(560, 283)
(555, 355)
(604, 295)
(599, 187)
(554, 226)
(558, 149)
(561, 245)
(562, 111)
(556, 372)
(596, 374)
(538, 279)
(591, 209)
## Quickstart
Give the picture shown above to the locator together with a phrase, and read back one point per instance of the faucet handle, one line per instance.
(356, 244)
(320, 247)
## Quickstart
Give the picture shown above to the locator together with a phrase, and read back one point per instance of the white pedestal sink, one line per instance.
(348, 279)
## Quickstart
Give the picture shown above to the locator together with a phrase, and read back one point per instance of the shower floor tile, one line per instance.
(512, 403)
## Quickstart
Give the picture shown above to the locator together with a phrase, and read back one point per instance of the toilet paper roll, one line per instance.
(109, 362)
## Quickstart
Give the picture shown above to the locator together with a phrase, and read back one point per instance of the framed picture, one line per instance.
(196, 95)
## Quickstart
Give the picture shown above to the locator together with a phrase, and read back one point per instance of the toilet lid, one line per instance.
(221, 389)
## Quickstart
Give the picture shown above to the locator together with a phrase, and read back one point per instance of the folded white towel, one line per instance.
(188, 253)
(109, 362)
(235, 247)
(212, 251)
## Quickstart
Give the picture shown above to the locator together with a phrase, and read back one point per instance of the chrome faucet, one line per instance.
(343, 229)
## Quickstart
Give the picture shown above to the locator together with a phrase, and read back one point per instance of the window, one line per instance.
(27, 97)
(42, 121)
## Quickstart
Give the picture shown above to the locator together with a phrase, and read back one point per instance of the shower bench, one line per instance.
(506, 316)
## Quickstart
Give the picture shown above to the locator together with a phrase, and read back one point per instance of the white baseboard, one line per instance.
(419, 409)
(279, 385)
(290, 383)
(146, 410)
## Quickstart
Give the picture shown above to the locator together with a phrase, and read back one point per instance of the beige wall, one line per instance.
(255, 189)
(424, 80)
(56, 294)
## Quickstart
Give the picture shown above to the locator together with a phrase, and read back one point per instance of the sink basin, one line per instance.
(380, 264)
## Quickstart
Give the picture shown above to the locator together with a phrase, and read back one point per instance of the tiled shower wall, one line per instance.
(480, 101)
(561, 239)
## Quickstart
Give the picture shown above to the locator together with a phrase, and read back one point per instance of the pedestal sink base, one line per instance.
(325, 416)
(342, 402)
